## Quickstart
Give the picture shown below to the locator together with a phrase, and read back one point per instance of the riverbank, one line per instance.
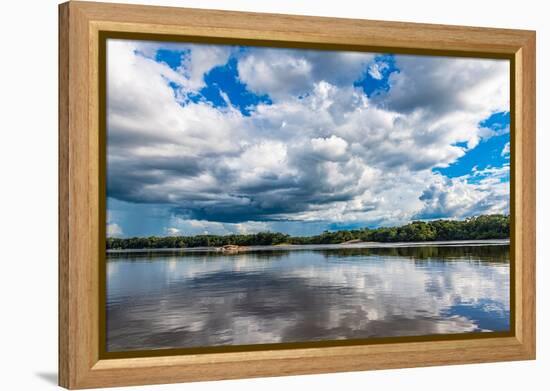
(296, 247)
(473, 228)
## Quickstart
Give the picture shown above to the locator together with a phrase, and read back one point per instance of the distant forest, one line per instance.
(481, 227)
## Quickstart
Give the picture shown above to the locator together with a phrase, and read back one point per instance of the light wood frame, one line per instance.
(80, 170)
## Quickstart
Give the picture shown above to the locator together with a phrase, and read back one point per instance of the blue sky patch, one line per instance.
(219, 81)
(498, 122)
(487, 153)
(376, 78)
(172, 58)
(226, 79)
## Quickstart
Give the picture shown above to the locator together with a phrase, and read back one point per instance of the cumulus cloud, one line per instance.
(448, 97)
(376, 70)
(331, 149)
(189, 227)
(172, 231)
(113, 230)
(482, 191)
(194, 60)
(289, 72)
(202, 59)
(506, 150)
(320, 150)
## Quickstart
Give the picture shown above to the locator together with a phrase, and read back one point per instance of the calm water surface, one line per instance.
(176, 299)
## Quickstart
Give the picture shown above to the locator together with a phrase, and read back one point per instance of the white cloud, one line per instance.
(376, 69)
(202, 59)
(481, 192)
(191, 227)
(506, 150)
(448, 97)
(114, 230)
(331, 148)
(172, 231)
(283, 73)
(196, 60)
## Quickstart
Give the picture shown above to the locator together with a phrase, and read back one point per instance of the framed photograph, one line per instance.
(246, 195)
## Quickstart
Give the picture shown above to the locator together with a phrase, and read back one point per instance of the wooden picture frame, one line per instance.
(81, 225)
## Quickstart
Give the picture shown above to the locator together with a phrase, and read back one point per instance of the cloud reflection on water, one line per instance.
(191, 300)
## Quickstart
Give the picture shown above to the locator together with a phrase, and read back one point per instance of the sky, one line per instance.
(223, 139)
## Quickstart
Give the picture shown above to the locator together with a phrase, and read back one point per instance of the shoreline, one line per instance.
(313, 247)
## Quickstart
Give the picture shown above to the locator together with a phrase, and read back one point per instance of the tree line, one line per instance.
(494, 226)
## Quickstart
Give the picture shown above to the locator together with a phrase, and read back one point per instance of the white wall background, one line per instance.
(28, 196)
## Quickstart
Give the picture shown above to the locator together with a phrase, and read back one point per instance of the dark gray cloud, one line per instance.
(437, 84)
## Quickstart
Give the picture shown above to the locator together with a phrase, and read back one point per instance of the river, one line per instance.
(272, 294)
